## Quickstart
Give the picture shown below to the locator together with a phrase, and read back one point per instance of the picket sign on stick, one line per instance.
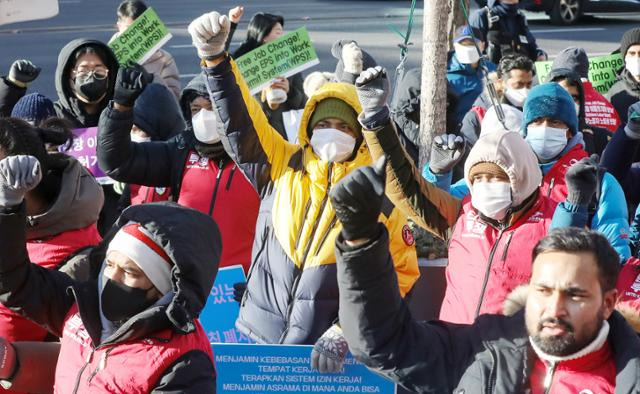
(603, 71)
(286, 56)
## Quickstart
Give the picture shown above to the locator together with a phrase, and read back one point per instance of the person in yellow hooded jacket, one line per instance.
(292, 292)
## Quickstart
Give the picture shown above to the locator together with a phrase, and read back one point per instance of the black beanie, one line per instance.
(630, 37)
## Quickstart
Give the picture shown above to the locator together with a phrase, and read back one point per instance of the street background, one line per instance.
(327, 20)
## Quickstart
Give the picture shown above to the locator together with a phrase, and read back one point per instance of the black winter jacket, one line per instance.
(45, 296)
(492, 355)
(9, 96)
(623, 94)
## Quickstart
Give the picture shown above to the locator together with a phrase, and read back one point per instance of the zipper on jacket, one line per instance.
(101, 365)
(491, 384)
(548, 378)
(326, 234)
(304, 218)
(233, 170)
(506, 246)
(553, 181)
(296, 281)
(215, 188)
(86, 364)
(488, 273)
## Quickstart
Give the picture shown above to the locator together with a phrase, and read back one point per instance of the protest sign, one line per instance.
(283, 57)
(12, 11)
(603, 71)
(218, 318)
(142, 39)
(84, 146)
(286, 369)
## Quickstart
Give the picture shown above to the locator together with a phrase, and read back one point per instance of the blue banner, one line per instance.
(286, 369)
(219, 315)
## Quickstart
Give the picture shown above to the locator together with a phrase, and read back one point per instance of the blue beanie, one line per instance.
(550, 100)
(157, 113)
(34, 108)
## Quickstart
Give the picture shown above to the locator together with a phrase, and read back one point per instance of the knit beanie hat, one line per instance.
(135, 242)
(486, 168)
(630, 37)
(157, 113)
(334, 108)
(575, 59)
(33, 108)
(550, 100)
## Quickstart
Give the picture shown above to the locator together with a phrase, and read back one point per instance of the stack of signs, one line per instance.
(286, 56)
(286, 369)
(142, 39)
(603, 71)
(84, 146)
(218, 318)
(12, 11)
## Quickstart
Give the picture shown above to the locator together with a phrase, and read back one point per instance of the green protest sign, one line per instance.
(142, 39)
(602, 71)
(283, 57)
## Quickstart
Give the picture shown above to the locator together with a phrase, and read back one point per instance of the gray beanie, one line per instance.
(575, 59)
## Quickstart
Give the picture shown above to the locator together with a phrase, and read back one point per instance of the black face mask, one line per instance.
(91, 89)
(121, 302)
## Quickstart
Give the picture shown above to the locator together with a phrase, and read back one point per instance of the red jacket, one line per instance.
(126, 367)
(594, 373)
(598, 110)
(143, 194)
(554, 185)
(226, 195)
(629, 285)
(488, 263)
(47, 253)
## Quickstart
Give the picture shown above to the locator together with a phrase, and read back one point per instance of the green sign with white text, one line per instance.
(288, 55)
(142, 39)
(602, 71)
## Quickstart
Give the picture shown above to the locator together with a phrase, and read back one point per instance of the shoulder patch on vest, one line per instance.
(407, 235)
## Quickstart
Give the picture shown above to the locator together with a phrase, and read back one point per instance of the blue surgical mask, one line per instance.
(546, 142)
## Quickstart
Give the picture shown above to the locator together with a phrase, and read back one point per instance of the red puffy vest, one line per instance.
(554, 184)
(226, 195)
(128, 367)
(629, 284)
(144, 194)
(598, 110)
(47, 253)
(485, 263)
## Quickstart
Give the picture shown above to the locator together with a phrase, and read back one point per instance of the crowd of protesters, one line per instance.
(533, 185)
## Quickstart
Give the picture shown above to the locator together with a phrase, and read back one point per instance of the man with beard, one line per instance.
(568, 339)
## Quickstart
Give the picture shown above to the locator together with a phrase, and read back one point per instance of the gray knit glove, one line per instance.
(352, 58)
(23, 72)
(329, 351)
(373, 89)
(632, 129)
(446, 152)
(18, 175)
(209, 33)
(582, 181)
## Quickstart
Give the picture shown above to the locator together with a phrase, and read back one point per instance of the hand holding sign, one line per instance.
(209, 33)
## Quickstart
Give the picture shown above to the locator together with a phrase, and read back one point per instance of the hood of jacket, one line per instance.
(514, 156)
(66, 97)
(77, 206)
(195, 87)
(630, 82)
(157, 113)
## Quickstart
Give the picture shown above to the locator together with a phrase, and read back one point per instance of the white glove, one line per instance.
(329, 351)
(209, 33)
(18, 175)
(352, 58)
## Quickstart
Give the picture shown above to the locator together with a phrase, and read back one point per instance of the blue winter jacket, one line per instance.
(467, 83)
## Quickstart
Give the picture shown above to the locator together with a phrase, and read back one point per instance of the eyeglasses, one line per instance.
(86, 73)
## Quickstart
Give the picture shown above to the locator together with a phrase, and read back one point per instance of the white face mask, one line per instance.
(516, 96)
(276, 96)
(492, 199)
(205, 126)
(332, 145)
(546, 142)
(632, 64)
(135, 137)
(466, 54)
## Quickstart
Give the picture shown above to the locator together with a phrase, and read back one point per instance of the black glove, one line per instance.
(238, 290)
(23, 72)
(632, 128)
(582, 181)
(130, 83)
(357, 200)
(446, 152)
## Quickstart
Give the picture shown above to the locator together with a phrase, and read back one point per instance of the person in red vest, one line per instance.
(194, 164)
(132, 326)
(61, 213)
